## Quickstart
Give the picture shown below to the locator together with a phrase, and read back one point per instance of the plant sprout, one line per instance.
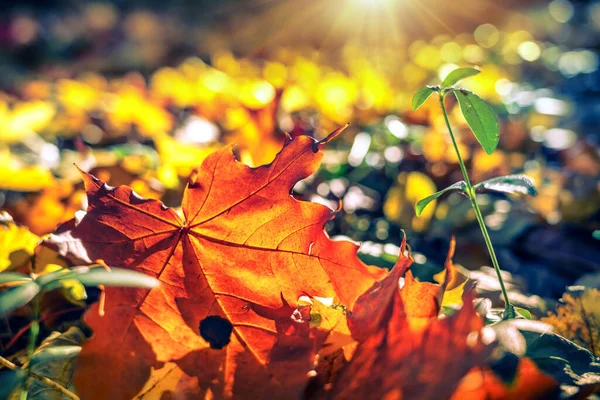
(483, 122)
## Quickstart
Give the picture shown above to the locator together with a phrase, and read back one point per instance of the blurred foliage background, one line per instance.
(139, 93)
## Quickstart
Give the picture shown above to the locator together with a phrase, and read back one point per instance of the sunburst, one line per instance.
(371, 24)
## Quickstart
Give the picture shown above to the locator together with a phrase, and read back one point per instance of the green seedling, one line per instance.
(483, 122)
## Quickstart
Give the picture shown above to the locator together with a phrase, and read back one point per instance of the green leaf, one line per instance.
(114, 277)
(421, 204)
(10, 380)
(596, 234)
(457, 75)
(509, 184)
(56, 353)
(421, 96)
(565, 361)
(561, 358)
(523, 312)
(17, 297)
(9, 277)
(59, 370)
(481, 119)
(51, 281)
(55, 276)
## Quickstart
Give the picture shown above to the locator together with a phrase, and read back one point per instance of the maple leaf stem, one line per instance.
(47, 381)
(333, 134)
(508, 308)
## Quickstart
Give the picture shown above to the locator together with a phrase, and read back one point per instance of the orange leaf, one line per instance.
(396, 361)
(232, 270)
(454, 280)
(529, 383)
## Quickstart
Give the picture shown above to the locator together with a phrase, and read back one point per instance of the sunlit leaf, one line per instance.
(421, 96)
(481, 119)
(523, 312)
(453, 297)
(517, 183)
(454, 281)
(15, 175)
(457, 75)
(409, 188)
(16, 246)
(24, 119)
(217, 300)
(421, 204)
(397, 360)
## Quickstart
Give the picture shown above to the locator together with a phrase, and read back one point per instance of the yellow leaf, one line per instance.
(16, 246)
(578, 319)
(21, 178)
(180, 156)
(399, 204)
(71, 288)
(454, 279)
(331, 317)
(24, 119)
(453, 297)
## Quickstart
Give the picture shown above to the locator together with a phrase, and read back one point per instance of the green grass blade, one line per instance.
(9, 277)
(17, 297)
(115, 277)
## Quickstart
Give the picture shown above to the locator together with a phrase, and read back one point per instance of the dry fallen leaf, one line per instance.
(578, 319)
(232, 270)
(529, 383)
(456, 280)
(404, 351)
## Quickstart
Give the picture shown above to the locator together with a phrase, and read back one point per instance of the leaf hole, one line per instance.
(216, 331)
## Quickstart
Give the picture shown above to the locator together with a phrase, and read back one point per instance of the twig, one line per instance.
(40, 378)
